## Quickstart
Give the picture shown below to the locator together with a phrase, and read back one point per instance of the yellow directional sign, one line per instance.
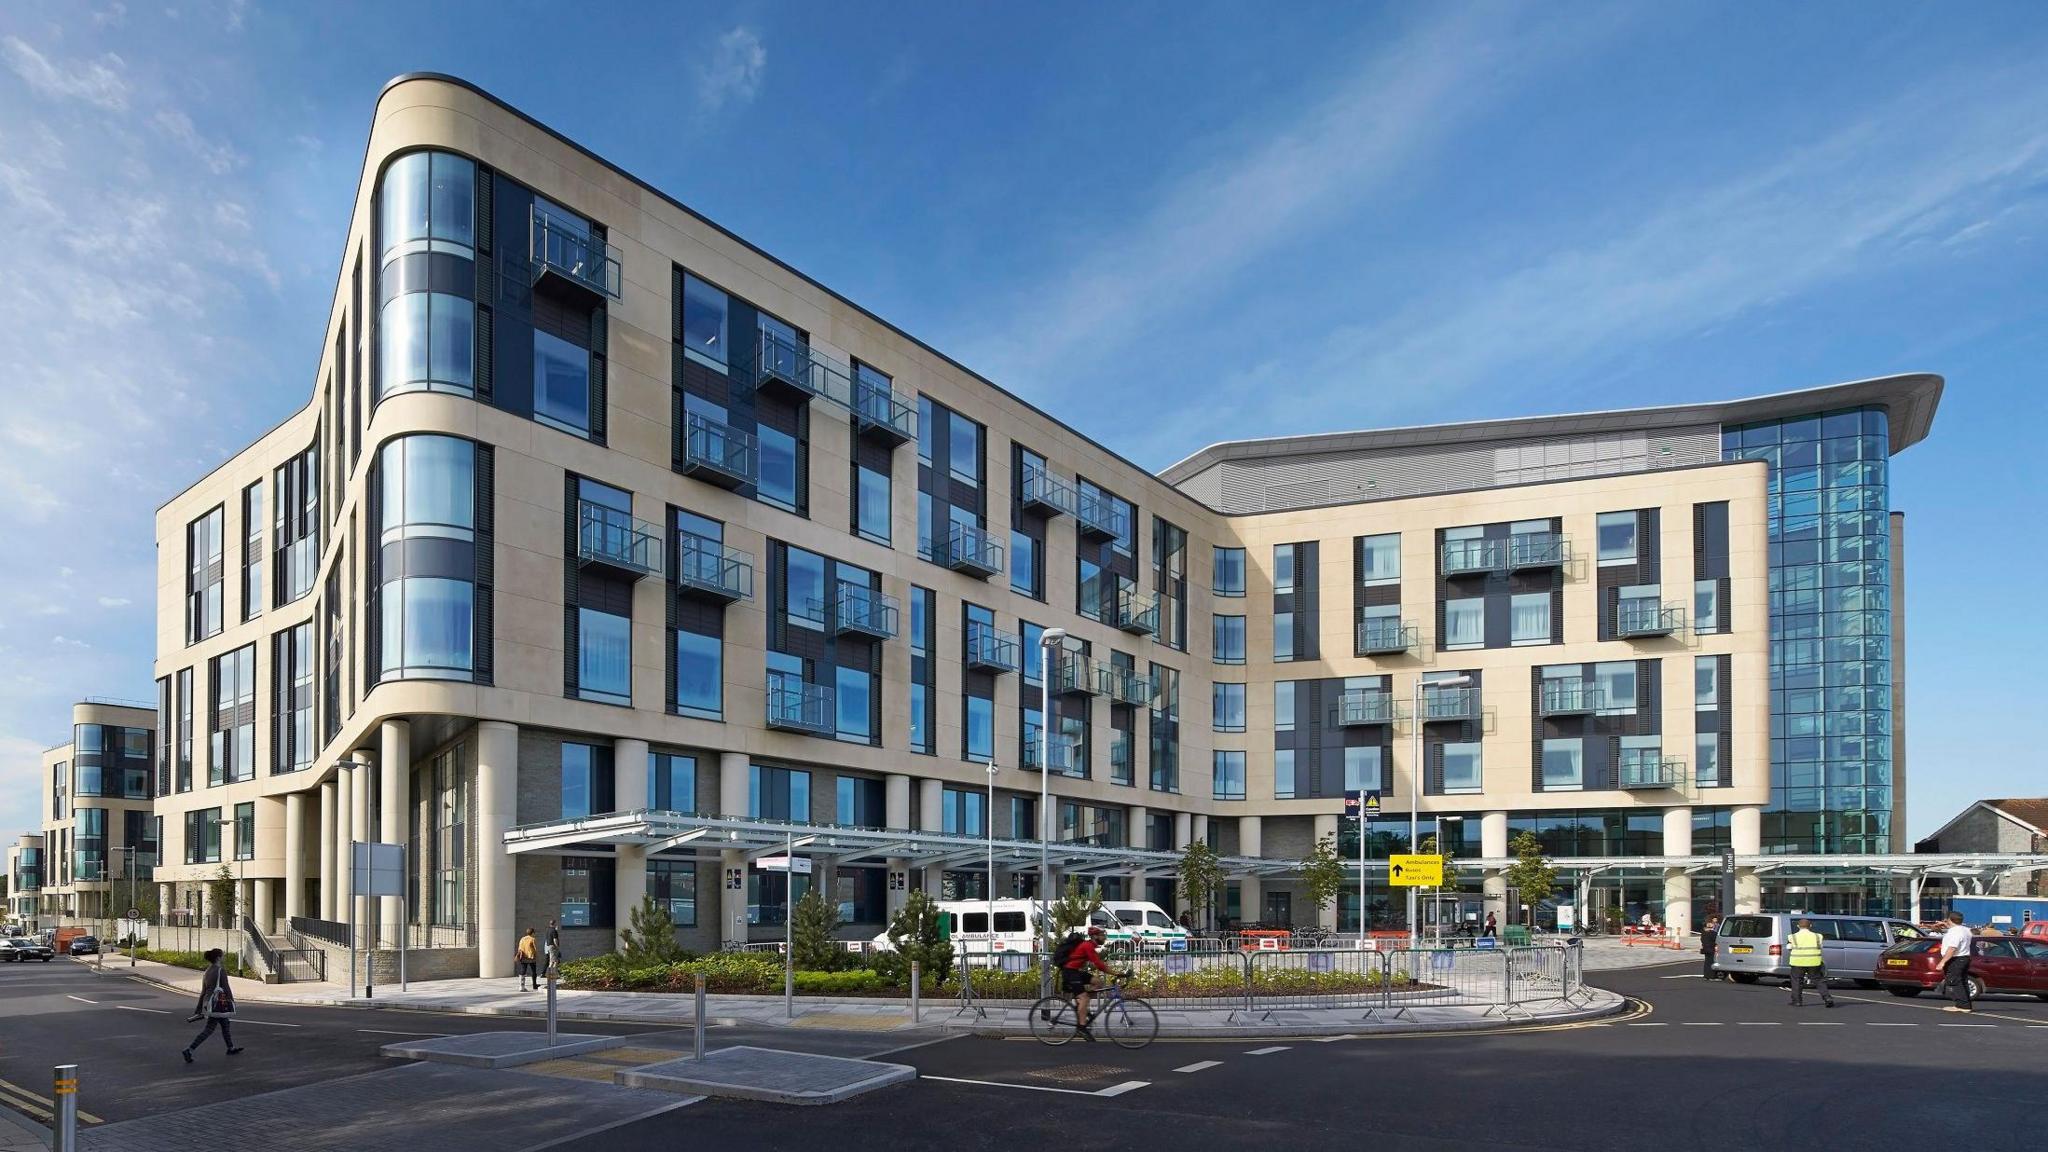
(1415, 871)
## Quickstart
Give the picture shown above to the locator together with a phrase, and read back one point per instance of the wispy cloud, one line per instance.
(733, 74)
(95, 82)
(114, 601)
(218, 158)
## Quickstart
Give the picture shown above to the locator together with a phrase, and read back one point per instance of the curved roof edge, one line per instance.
(1909, 399)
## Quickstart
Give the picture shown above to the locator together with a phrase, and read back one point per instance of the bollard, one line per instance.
(789, 982)
(64, 1121)
(916, 992)
(551, 1002)
(700, 1017)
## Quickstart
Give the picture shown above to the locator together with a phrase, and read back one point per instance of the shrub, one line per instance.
(193, 960)
(651, 938)
(812, 931)
(914, 934)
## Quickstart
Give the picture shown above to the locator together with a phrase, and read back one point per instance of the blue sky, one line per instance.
(1407, 214)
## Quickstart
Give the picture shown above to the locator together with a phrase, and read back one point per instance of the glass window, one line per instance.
(778, 467)
(673, 883)
(1034, 650)
(1530, 614)
(926, 431)
(803, 588)
(427, 341)
(920, 707)
(1228, 579)
(1564, 764)
(1707, 760)
(1229, 708)
(1465, 622)
(1382, 556)
(671, 783)
(252, 551)
(1706, 605)
(778, 793)
(1706, 681)
(429, 487)
(1283, 569)
(427, 626)
(428, 202)
(1228, 775)
(853, 691)
(871, 505)
(1283, 706)
(1283, 774)
(1089, 593)
(1617, 683)
(963, 457)
(981, 729)
(1362, 767)
(924, 526)
(700, 675)
(587, 785)
(604, 661)
(1617, 531)
(1025, 574)
(1229, 640)
(1283, 636)
(704, 310)
(1463, 772)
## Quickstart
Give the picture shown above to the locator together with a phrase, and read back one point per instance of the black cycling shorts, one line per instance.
(1074, 980)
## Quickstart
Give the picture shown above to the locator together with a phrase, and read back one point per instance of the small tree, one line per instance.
(651, 939)
(1322, 874)
(221, 891)
(915, 934)
(1200, 877)
(1530, 876)
(814, 933)
(1073, 908)
(1430, 848)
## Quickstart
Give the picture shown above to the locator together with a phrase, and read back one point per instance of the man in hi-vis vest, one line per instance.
(1808, 964)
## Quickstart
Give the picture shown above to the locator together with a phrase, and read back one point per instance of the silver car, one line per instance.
(1752, 945)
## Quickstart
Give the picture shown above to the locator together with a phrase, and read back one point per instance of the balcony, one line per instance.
(613, 541)
(1074, 675)
(787, 368)
(717, 453)
(1575, 696)
(1531, 550)
(564, 254)
(795, 705)
(1124, 687)
(1046, 493)
(990, 649)
(862, 611)
(973, 551)
(1472, 557)
(1387, 637)
(1099, 516)
(880, 413)
(708, 570)
(1065, 759)
(1136, 612)
(1364, 707)
(1647, 768)
(1449, 705)
(1644, 617)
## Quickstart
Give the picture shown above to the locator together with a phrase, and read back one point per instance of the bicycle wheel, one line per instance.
(1130, 1022)
(1052, 1020)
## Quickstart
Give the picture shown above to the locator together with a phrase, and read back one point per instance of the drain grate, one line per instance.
(1077, 1073)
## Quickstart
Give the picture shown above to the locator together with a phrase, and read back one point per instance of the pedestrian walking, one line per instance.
(1956, 946)
(1808, 965)
(1492, 925)
(527, 961)
(554, 955)
(216, 1005)
(1708, 935)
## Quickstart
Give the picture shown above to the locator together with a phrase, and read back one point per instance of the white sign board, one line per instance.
(1566, 918)
(379, 869)
(802, 864)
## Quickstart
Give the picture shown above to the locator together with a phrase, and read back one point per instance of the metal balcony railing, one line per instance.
(1098, 515)
(1125, 687)
(562, 250)
(973, 551)
(1528, 550)
(1366, 706)
(1644, 616)
(1449, 704)
(787, 366)
(1472, 557)
(862, 611)
(1385, 636)
(990, 649)
(1571, 697)
(1137, 612)
(882, 413)
(795, 705)
(709, 570)
(614, 540)
(1065, 760)
(1642, 768)
(1074, 675)
(1044, 492)
(718, 453)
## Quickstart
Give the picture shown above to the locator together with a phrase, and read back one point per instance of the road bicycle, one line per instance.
(1128, 1021)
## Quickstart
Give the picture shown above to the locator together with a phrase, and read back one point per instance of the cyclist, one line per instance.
(1075, 979)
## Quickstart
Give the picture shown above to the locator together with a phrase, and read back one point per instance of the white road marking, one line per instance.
(1758, 1023)
(80, 999)
(1112, 1090)
(1701, 1023)
(1120, 1089)
(1651, 1024)
(388, 1032)
(1892, 1023)
(1968, 1025)
(1267, 1051)
(263, 1023)
(1334, 1039)
(133, 1008)
(1199, 1065)
(1823, 1024)
(1683, 976)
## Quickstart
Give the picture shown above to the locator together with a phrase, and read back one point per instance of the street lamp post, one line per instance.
(1441, 820)
(1415, 787)
(1050, 639)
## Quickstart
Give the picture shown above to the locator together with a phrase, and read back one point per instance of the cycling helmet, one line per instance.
(1097, 930)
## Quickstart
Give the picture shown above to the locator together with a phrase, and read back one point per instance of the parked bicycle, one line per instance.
(1128, 1021)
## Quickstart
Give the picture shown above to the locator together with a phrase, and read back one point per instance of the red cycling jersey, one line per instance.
(1084, 954)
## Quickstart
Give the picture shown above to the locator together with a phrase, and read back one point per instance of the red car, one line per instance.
(1997, 964)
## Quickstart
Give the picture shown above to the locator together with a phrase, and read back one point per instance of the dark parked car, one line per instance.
(21, 948)
(85, 946)
(1997, 964)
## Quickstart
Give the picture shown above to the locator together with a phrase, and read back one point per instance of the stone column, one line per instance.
(732, 784)
(1745, 838)
(497, 805)
(394, 810)
(629, 775)
(1250, 842)
(1677, 882)
(1326, 829)
(1493, 843)
(1183, 830)
(732, 898)
(261, 908)
(1137, 834)
(328, 884)
(931, 813)
(896, 801)
(629, 792)
(894, 867)
(294, 855)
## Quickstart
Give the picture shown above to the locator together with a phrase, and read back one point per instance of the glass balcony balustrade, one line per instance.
(1387, 637)
(861, 611)
(563, 252)
(1473, 557)
(1574, 696)
(718, 453)
(990, 649)
(1647, 768)
(1644, 617)
(1044, 492)
(1449, 704)
(614, 541)
(1531, 550)
(1136, 612)
(973, 551)
(795, 705)
(1360, 707)
(707, 569)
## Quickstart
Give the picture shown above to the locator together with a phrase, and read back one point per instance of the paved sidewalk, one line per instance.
(20, 1134)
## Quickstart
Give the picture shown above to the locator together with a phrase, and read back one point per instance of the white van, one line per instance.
(1145, 924)
(967, 925)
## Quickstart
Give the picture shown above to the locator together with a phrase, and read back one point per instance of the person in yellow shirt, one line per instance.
(528, 961)
(1808, 964)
